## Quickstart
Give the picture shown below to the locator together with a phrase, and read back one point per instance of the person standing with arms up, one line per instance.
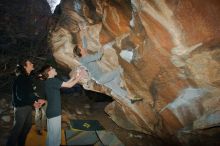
(52, 87)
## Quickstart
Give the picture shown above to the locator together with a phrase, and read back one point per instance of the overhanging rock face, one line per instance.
(168, 50)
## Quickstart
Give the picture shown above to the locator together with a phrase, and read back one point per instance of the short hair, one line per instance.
(44, 71)
(77, 51)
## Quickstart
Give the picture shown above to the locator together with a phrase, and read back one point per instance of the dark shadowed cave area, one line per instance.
(168, 52)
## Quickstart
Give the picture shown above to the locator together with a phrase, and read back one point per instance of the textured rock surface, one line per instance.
(168, 49)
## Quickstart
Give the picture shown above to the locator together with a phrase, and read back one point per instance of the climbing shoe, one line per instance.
(135, 99)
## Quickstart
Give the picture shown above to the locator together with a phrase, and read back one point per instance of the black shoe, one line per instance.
(135, 99)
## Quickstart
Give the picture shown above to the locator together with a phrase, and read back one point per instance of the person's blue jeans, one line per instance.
(112, 80)
(54, 131)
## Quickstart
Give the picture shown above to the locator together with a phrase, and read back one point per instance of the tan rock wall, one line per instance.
(175, 58)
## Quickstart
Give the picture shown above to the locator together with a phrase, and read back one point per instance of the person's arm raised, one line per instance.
(70, 83)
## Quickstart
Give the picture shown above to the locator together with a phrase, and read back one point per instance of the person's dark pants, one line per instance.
(21, 127)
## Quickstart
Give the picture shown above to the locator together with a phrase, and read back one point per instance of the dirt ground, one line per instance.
(89, 106)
